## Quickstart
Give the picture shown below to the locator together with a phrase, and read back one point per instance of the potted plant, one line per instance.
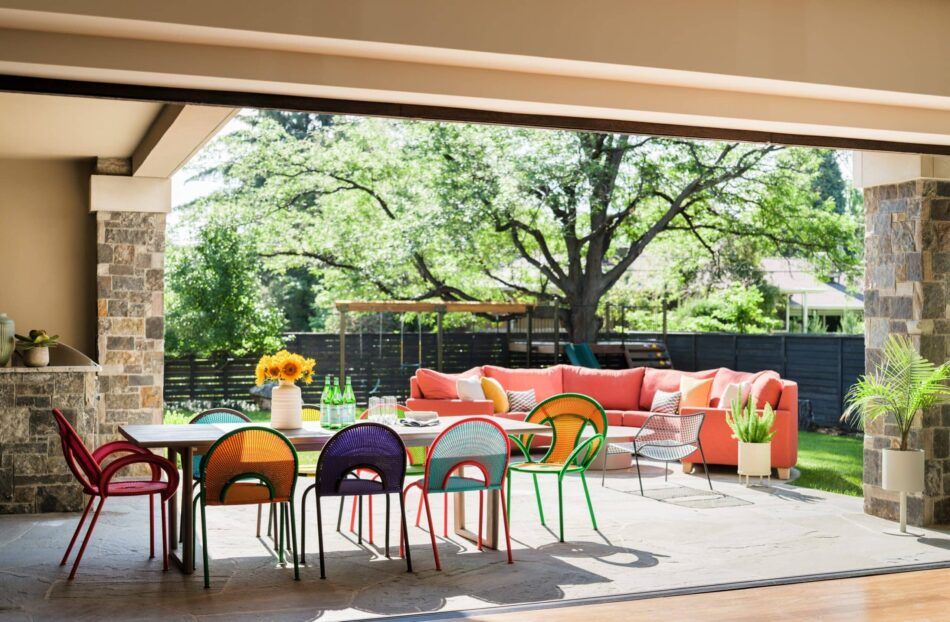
(903, 383)
(35, 348)
(754, 433)
(286, 402)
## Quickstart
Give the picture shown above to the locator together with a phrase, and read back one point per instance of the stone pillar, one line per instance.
(907, 291)
(130, 282)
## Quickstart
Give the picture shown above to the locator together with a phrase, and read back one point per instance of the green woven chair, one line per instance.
(571, 451)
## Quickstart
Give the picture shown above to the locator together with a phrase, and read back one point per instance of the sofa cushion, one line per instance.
(665, 380)
(635, 418)
(614, 417)
(545, 382)
(695, 391)
(521, 401)
(614, 389)
(724, 377)
(496, 393)
(435, 385)
(767, 389)
(666, 403)
(470, 389)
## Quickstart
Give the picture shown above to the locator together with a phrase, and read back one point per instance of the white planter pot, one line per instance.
(36, 357)
(286, 407)
(755, 459)
(903, 471)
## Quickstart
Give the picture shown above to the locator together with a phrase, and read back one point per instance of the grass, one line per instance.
(826, 462)
(830, 463)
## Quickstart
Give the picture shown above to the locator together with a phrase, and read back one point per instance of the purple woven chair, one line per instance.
(368, 448)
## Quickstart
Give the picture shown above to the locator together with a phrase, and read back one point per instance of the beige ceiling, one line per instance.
(43, 126)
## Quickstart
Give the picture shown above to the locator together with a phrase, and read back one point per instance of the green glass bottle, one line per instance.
(326, 419)
(336, 404)
(349, 402)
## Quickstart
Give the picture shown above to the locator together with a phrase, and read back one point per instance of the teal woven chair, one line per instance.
(479, 444)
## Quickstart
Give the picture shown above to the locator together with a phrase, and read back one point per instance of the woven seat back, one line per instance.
(310, 412)
(220, 415)
(248, 455)
(365, 445)
(673, 429)
(568, 415)
(480, 443)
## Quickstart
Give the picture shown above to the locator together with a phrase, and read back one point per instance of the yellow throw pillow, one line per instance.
(695, 392)
(496, 393)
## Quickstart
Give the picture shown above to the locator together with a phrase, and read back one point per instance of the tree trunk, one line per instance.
(583, 323)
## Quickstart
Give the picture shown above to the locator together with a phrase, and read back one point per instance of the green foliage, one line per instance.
(829, 183)
(215, 303)
(734, 309)
(903, 383)
(748, 426)
(831, 463)
(401, 209)
(852, 323)
(36, 339)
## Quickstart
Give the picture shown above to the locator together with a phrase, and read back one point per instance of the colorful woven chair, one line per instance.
(97, 481)
(368, 447)
(477, 443)
(253, 465)
(569, 415)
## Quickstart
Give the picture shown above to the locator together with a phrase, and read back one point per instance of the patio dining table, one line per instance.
(183, 441)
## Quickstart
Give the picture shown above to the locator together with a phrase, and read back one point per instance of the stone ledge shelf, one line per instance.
(33, 474)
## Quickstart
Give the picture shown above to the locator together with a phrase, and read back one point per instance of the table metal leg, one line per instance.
(172, 511)
(185, 559)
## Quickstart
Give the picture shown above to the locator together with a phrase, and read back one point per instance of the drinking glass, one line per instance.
(389, 410)
(375, 409)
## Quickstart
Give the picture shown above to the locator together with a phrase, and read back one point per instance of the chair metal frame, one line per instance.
(577, 461)
(387, 487)
(97, 480)
(637, 446)
(241, 476)
(426, 487)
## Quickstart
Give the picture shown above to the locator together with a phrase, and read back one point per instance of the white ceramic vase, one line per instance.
(36, 357)
(755, 459)
(286, 406)
(902, 471)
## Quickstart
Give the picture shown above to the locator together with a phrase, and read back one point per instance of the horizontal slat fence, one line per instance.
(824, 366)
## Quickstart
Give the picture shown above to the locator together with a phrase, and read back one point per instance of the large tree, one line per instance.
(463, 212)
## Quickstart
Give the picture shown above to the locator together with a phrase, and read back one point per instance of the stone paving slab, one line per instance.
(645, 543)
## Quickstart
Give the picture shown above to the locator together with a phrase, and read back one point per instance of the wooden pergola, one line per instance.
(440, 308)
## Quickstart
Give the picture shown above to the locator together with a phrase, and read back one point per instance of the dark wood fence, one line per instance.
(824, 366)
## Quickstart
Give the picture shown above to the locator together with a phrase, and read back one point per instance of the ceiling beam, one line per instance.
(176, 135)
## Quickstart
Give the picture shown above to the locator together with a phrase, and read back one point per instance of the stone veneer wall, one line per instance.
(131, 329)
(33, 474)
(907, 291)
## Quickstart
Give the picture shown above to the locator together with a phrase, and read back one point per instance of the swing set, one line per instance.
(508, 309)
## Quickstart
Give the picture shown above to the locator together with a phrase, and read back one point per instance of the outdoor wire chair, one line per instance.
(666, 438)
(367, 447)
(478, 443)
(96, 481)
(252, 465)
(569, 415)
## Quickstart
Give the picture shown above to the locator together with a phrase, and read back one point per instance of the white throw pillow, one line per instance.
(733, 390)
(470, 389)
(666, 402)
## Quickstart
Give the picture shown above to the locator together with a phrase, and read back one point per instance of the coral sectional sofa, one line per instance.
(626, 395)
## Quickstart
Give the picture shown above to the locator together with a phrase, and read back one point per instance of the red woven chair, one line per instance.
(97, 482)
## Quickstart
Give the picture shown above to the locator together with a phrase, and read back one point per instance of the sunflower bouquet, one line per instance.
(284, 366)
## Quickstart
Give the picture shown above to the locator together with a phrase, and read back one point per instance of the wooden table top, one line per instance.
(309, 437)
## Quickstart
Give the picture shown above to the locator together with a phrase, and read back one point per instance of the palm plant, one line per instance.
(903, 383)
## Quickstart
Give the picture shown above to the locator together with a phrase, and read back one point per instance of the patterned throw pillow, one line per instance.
(666, 403)
(521, 401)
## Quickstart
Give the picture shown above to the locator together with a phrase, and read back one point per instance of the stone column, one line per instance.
(130, 282)
(907, 291)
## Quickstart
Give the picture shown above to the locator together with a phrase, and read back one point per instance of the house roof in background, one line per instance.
(791, 276)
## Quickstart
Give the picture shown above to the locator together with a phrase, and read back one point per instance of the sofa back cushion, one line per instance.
(614, 389)
(665, 380)
(545, 382)
(438, 386)
(724, 377)
(767, 389)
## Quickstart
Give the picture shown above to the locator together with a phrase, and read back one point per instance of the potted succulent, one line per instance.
(903, 383)
(35, 348)
(754, 433)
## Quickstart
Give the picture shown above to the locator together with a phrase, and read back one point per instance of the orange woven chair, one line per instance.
(570, 415)
(250, 466)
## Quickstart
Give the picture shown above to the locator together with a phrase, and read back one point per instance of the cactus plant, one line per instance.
(748, 426)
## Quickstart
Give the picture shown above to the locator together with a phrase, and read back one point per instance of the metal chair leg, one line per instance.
(76, 533)
(405, 531)
(504, 517)
(560, 506)
(85, 540)
(537, 494)
(339, 518)
(163, 506)
(260, 507)
(387, 525)
(636, 458)
(151, 526)
(590, 506)
(204, 547)
(435, 548)
(705, 466)
(293, 540)
(323, 574)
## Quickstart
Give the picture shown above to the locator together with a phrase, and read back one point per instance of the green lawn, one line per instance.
(832, 463)
(826, 462)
